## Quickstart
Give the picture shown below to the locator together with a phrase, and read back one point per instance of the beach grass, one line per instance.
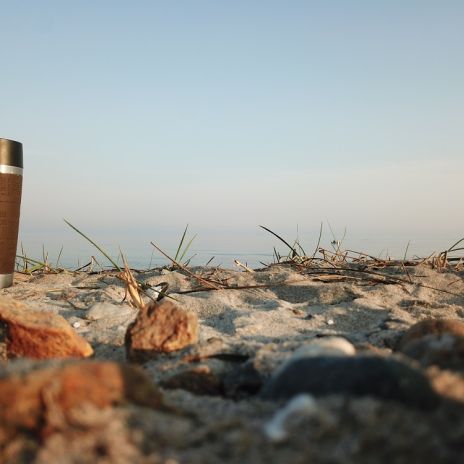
(324, 264)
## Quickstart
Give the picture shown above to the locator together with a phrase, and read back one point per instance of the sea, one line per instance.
(213, 248)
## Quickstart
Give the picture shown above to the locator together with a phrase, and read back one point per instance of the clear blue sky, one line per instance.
(227, 114)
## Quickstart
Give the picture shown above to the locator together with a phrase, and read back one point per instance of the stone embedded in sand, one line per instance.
(201, 379)
(160, 328)
(35, 399)
(432, 327)
(446, 383)
(38, 334)
(352, 375)
(443, 350)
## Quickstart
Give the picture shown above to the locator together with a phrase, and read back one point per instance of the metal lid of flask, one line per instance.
(11, 153)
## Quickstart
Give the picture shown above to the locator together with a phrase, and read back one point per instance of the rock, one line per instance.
(201, 379)
(162, 327)
(447, 384)
(443, 350)
(34, 400)
(325, 346)
(108, 311)
(247, 377)
(432, 327)
(38, 334)
(243, 381)
(375, 376)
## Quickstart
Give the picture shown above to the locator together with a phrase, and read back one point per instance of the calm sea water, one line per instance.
(215, 249)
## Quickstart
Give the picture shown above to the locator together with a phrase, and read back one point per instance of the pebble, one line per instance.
(375, 376)
(325, 346)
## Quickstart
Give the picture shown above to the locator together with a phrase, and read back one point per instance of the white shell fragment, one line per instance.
(156, 292)
(275, 430)
(326, 346)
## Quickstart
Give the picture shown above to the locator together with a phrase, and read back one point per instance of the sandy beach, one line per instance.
(292, 363)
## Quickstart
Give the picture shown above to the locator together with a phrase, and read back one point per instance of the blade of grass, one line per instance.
(406, 251)
(191, 274)
(295, 253)
(186, 248)
(181, 243)
(318, 241)
(455, 249)
(38, 265)
(59, 256)
(106, 255)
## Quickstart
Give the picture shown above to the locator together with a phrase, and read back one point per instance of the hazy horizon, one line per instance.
(138, 118)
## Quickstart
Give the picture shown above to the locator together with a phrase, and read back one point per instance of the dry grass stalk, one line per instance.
(132, 287)
(243, 266)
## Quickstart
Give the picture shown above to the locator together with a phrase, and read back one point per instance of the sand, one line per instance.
(224, 419)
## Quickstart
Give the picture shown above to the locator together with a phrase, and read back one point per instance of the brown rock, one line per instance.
(446, 383)
(34, 400)
(160, 328)
(38, 334)
(200, 380)
(445, 351)
(432, 327)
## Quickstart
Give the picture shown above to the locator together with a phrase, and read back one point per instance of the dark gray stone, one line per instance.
(375, 376)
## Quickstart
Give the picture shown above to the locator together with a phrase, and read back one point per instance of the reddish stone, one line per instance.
(26, 399)
(39, 334)
(160, 328)
(432, 327)
(446, 383)
(445, 351)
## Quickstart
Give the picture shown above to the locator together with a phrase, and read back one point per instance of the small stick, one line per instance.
(243, 266)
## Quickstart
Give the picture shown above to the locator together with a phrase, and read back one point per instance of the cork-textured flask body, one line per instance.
(11, 179)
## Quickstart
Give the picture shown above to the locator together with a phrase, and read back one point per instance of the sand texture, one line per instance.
(303, 367)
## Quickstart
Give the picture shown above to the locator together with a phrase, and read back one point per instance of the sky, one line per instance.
(140, 117)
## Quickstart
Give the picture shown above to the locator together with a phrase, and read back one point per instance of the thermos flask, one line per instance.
(11, 178)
